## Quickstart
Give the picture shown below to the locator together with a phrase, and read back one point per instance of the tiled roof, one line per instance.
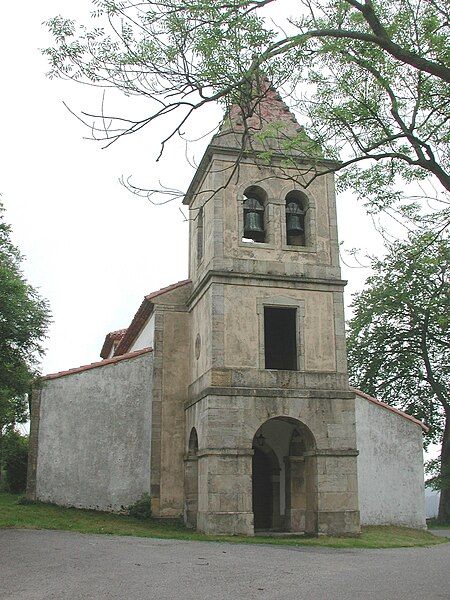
(168, 288)
(111, 337)
(267, 107)
(391, 408)
(95, 365)
(143, 313)
(117, 335)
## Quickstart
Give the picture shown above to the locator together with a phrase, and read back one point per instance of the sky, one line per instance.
(92, 248)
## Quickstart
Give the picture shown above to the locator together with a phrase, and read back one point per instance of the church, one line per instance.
(226, 399)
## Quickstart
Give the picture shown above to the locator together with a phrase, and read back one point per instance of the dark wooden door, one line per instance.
(262, 490)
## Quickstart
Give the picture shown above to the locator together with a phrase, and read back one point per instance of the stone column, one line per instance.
(225, 491)
(191, 491)
(311, 494)
(277, 520)
(337, 496)
(295, 493)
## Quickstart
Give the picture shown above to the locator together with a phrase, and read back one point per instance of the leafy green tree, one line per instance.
(399, 338)
(371, 78)
(24, 318)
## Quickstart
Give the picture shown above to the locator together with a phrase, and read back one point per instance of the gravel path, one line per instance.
(60, 565)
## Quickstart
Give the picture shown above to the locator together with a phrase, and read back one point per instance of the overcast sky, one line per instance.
(92, 249)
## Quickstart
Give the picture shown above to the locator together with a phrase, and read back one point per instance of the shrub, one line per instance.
(14, 461)
(24, 501)
(142, 509)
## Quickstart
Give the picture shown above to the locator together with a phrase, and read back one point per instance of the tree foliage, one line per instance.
(399, 337)
(24, 318)
(368, 78)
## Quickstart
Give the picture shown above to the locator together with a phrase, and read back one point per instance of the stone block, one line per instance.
(296, 519)
(337, 501)
(226, 523)
(338, 523)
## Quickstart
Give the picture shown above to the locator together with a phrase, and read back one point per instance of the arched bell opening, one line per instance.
(255, 201)
(284, 467)
(296, 226)
(191, 481)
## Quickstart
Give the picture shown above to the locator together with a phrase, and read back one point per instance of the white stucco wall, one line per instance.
(111, 352)
(390, 467)
(94, 436)
(146, 337)
(432, 498)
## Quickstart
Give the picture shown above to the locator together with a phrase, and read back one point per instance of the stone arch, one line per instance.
(191, 481)
(297, 413)
(264, 189)
(302, 440)
(193, 442)
(289, 445)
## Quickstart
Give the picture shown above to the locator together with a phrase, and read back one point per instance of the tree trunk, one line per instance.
(444, 503)
(1, 452)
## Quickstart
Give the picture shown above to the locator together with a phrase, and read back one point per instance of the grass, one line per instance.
(49, 516)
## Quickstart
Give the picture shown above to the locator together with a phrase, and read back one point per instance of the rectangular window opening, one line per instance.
(280, 340)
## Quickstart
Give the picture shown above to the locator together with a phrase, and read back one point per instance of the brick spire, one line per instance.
(262, 121)
(266, 107)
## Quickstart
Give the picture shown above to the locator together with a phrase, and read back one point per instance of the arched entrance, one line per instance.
(191, 481)
(284, 477)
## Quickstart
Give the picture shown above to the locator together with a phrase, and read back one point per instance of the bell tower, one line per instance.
(269, 401)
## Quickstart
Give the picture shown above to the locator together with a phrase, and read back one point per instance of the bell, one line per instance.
(253, 224)
(294, 225)
(294, 219)
(253, 219)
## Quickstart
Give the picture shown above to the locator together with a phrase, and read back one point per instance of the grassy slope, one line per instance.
(48, 516)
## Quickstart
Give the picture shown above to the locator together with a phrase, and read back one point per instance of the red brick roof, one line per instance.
(267, 107)
(111, 337)
(391, 408)
(168, 288)
(95, 365)
(143, 313)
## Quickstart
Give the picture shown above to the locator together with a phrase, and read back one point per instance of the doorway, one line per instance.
(284, 473)
(262, 490)
(191, 482)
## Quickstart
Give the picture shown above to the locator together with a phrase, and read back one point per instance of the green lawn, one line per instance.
(49, 516)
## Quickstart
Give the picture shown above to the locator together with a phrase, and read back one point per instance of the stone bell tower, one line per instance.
(270, 419)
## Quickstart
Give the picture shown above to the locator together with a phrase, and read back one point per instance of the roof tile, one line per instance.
(95, 365)
(391, 408)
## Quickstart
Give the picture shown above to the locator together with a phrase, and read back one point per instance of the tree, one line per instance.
(372, 78)
(24, 318)
(399, 338)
